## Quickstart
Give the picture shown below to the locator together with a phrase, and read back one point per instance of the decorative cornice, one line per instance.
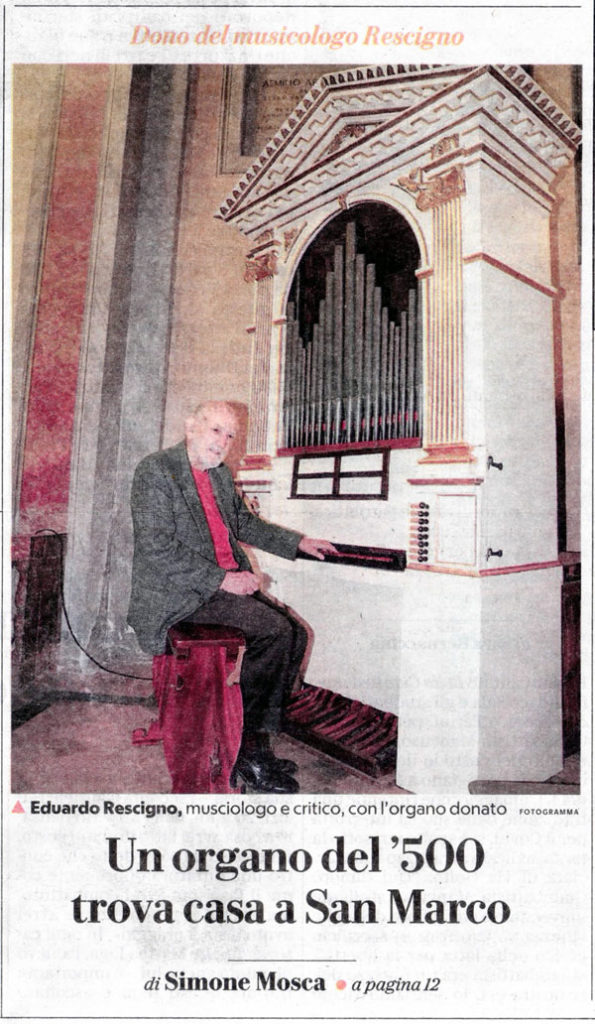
(447, 453)
(528, 88)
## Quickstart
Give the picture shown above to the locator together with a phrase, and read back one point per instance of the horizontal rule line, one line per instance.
(355, 7)
(276, 960)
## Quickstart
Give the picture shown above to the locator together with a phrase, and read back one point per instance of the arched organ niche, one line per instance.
(353, 344)
(399, 227)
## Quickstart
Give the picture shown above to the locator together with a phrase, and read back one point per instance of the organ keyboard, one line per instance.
(393, 559)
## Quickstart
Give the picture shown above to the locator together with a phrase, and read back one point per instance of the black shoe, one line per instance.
(262, 776)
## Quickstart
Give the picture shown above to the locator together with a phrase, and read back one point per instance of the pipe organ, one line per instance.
(402, 400)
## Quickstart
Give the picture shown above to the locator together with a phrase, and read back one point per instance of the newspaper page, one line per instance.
(368, 229)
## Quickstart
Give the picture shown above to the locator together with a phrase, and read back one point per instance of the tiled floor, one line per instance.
(78, 740)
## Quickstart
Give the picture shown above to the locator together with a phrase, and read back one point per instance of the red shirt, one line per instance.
(219, 532)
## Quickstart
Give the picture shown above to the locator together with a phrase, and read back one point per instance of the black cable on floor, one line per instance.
(104, 668)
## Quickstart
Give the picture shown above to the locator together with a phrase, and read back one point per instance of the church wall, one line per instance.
(557, 81)
(29, 130)
(57, 141)
(61, 301)
(213, 306)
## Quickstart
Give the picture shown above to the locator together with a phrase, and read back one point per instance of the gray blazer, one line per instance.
(174, 569)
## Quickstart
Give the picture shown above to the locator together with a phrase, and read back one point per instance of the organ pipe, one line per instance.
(356, 375)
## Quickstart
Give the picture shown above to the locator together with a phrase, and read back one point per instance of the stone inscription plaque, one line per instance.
(271, 91)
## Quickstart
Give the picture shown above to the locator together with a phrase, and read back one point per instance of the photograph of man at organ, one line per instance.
(252, 309)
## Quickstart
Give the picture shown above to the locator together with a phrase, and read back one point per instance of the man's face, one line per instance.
(209, 436)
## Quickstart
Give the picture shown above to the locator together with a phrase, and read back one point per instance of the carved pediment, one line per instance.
(340, 110)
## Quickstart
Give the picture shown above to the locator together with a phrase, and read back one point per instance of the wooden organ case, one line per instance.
(402, 398)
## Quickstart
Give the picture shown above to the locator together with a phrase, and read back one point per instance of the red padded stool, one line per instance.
(200, 707)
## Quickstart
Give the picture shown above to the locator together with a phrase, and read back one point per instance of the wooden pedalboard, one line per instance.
(359, 735)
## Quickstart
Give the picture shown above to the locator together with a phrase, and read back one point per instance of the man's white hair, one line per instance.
(214, 405)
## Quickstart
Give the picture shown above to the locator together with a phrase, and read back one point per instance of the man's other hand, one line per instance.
(317, 548)
(240, 583)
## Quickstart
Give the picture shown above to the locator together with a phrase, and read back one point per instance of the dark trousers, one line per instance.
(275, 648)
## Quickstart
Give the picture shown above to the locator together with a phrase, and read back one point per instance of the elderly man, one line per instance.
(189, 566)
